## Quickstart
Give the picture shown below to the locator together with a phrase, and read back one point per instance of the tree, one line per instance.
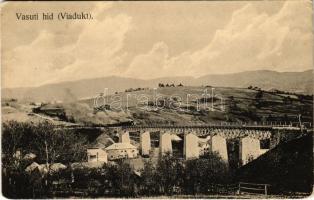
(169, 173)
(233, 103)
(43, 139)
(121, 177)
(287, 100)
(14, 179)
(192, 177)
(49, 144)
(201, 174)
(57, 145)
(149, 178)
(285, 117)
(259, 95)
(161, 85)
(13, 137)
(269, 118)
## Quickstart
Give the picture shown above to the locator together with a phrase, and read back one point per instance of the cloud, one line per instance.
(40, 59)
(66, 51)
(96, 49)
(250, 41)
(151, 64)
(51, 58)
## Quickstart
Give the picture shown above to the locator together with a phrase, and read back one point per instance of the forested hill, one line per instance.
(287, 167)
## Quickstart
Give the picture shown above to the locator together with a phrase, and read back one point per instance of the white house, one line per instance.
(121, 150)
(97, 155)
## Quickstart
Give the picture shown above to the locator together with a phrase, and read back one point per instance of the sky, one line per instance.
(154, 39)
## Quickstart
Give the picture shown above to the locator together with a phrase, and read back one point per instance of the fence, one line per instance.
(253, 188)
(225, 189)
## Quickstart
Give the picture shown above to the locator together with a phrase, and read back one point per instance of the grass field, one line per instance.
(229, 104)
(178, 106)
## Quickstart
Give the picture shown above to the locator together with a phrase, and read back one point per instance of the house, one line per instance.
(97, 155)
(32, 167)
(121, 150)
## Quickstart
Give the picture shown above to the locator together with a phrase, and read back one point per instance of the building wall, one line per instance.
(191, 146)
(145, 143)
(124, 137)
(249, 149)
(122, 153)
(219, 145)
(97, 155)
(165, 144)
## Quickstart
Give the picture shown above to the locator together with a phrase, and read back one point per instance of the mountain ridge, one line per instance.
(299, 82)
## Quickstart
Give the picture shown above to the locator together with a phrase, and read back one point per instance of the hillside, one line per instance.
(176, 106)
(300, 82)
(187, 106)
(287, 167)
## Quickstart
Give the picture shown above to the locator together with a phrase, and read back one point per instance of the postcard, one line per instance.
(157, 99)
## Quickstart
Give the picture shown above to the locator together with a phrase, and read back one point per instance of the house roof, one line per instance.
(120, 146)
(32, 167)
(103, 141)
(94, 150)
(55, 167)
(29, 156)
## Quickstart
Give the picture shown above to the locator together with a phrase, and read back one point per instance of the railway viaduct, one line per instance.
(197, 139)
(212, 137)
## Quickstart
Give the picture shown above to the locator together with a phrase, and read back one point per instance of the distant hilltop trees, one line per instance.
(161, 85)
(253, 88)
(135, 89)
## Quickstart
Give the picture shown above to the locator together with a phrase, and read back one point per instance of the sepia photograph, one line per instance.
(157, 99)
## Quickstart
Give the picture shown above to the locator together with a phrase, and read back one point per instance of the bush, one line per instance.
(201, 174)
